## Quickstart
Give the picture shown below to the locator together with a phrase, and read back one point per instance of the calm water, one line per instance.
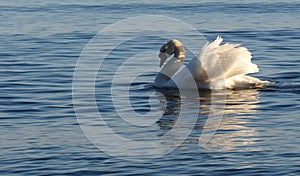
(40, 44)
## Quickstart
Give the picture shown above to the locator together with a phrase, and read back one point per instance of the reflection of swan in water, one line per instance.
(232, 131)
(218, 66)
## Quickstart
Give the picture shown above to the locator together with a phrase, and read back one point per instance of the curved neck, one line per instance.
(167, 72)
(179, 51)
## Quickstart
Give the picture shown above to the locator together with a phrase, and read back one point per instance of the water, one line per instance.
(40, 46)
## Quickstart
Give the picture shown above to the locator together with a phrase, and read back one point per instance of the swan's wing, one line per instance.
(225, 61)
(235, 60)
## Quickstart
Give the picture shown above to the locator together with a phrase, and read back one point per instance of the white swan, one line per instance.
(217, 67)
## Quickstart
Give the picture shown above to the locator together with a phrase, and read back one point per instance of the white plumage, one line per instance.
(217, 67)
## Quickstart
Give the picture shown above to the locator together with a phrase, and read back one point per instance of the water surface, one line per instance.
(40, 44)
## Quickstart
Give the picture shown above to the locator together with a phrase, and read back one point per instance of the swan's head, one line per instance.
(172, 47)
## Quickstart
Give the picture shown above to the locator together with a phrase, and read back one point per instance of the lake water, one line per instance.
(40, 133)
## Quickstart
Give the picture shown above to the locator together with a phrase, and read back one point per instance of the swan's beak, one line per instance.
(163, 58)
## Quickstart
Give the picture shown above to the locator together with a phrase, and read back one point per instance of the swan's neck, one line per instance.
(179, 51)
(167, 72)
(170, 68)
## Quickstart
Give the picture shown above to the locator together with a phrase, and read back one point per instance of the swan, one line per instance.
(217, 67)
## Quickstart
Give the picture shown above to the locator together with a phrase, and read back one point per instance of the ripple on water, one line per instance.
(40, 43)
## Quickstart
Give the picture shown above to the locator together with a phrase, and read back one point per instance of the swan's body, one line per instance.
(217, 67)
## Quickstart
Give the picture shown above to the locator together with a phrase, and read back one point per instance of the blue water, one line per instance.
(40, 44)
